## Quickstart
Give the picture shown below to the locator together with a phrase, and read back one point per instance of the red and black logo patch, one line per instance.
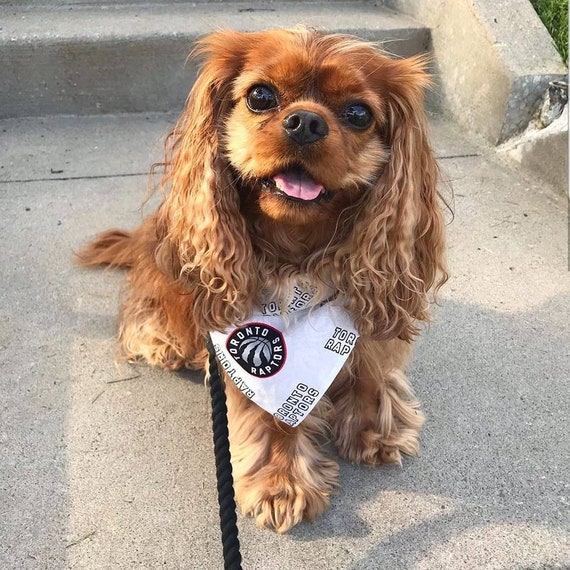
(258, 348)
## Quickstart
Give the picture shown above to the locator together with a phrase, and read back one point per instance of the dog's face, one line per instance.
(304, 134)
(304, 153)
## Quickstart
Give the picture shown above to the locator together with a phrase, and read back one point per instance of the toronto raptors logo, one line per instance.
(258, 348)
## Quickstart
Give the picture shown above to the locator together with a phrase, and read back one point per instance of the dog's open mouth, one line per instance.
(295, 184)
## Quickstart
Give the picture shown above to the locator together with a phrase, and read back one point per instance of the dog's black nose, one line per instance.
(305, 127)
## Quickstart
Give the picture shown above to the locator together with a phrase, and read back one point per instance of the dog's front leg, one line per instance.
(375, 416)
(281, 477)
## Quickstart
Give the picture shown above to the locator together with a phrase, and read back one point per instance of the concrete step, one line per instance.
(98, 59)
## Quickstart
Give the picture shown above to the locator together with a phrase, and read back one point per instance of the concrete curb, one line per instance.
(495, 60)
(543, 153)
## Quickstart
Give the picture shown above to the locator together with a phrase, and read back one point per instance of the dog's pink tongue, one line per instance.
(297, 185)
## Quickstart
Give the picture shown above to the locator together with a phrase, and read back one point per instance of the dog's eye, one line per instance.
(357, 115)
(261, 98)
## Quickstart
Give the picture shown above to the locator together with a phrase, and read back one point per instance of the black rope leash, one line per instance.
(226, 498)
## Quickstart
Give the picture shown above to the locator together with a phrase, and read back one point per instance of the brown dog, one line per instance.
(300, 158)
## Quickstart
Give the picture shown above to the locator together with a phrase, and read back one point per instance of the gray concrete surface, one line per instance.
(110, 467)
(494, 60)
(131, 58)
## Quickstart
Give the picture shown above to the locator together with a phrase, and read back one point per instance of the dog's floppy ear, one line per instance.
(202, 237)
(398, 240)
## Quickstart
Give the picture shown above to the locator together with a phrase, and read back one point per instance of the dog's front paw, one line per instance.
(279, 502)
(282, 508)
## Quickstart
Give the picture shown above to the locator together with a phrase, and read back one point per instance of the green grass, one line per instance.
(554, 15)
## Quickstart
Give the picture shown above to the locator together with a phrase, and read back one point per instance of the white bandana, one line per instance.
(284, 361)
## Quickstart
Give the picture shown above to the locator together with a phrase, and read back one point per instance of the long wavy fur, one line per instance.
(396, 251)
(202, 237)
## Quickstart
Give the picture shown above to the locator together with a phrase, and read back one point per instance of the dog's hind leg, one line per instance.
(155, 322)
(160, 331)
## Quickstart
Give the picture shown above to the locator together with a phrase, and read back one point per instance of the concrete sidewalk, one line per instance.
(107, 467)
